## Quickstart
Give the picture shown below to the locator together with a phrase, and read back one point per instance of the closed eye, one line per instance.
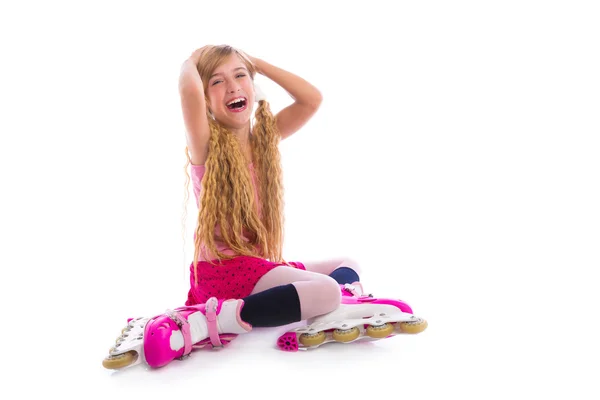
(219, 81)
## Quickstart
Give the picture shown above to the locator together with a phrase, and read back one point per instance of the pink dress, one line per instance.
(230, 279)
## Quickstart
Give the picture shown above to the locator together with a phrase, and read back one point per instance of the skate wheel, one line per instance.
(315, 339)
(380, 331)
(419, 325)
(120, 360)
(346, 335)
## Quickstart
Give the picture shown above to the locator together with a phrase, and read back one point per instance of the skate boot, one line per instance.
(357, 318)
(159, 340)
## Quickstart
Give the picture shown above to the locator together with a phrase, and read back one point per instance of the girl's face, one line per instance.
(230, 93)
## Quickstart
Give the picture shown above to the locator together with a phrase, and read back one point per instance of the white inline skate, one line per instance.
(173, 335)
(359, 317)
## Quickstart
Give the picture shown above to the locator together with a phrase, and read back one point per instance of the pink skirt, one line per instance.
(231, 279)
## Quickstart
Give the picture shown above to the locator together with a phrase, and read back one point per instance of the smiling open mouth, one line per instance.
(238, 104)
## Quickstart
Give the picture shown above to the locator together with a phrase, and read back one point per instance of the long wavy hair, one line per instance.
(227, 195)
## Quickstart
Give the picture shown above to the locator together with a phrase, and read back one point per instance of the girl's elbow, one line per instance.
(316, 100)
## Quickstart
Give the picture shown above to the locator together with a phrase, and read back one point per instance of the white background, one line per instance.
(455, 156)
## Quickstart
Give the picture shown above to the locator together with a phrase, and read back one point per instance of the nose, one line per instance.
(233, 87)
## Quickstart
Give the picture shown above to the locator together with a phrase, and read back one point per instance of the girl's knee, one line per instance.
(333, 293)
(330, 295)
(319, 296)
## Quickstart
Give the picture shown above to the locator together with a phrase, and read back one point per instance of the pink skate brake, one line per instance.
(288, 342)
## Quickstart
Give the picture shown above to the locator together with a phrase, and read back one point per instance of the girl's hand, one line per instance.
(256, 62)
(195, 57)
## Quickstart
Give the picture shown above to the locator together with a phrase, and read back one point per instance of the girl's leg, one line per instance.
(285, 295)
(343, 270)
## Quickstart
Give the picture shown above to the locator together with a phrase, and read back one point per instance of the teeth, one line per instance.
(235, 101)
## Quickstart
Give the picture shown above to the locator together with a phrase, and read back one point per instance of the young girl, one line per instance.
(237, 180)
(239, 279)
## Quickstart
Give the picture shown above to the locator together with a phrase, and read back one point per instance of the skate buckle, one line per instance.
(211, 319)
(175, 317)
(211, 309)
(350, 289)
(366, 299)
(184, 328)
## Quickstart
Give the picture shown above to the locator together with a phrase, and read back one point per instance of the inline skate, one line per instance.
(359, 317)
(173, 335)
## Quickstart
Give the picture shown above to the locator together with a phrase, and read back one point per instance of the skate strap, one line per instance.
(211, 322)
(184, 326)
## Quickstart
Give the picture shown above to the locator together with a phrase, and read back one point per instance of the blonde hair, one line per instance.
(227, 196)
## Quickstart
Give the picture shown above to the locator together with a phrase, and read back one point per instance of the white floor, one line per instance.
(478, 345)
(456, 155)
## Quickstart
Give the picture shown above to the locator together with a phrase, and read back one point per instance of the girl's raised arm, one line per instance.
(193, 106)
(307, 98)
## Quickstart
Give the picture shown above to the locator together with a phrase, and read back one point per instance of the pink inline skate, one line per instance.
(159, 340)
(359, 317)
